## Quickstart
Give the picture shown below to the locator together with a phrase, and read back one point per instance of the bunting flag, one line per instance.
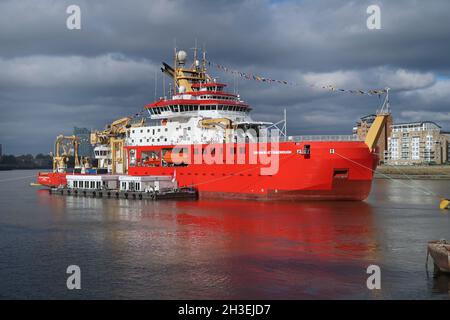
(249, 76)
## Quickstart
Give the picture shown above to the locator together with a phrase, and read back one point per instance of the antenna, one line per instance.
(204, 58)
(156, 82)
(164, 87)
(175, 64)
(195, 56)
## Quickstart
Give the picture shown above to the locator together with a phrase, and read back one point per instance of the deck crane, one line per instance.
(65, 146)
(108, 144)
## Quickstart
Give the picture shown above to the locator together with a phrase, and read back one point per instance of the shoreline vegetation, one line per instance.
(11, 162)
(434, 172)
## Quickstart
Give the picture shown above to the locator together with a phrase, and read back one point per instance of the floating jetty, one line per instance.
(174, 194)
(123, 187)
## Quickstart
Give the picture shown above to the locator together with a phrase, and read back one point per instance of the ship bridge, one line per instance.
(199, 109)
(207, 100)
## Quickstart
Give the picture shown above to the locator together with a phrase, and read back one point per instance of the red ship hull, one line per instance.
(346, 173)
(52, 179)
(333, 170)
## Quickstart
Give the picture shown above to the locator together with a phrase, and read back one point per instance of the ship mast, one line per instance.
(175, 67)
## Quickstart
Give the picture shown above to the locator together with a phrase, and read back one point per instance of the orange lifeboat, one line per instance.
(151, 162)
(176, 157)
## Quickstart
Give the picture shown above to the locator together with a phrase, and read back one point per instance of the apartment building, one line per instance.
(417, 143)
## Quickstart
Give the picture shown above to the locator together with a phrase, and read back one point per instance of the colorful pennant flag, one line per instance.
(264, 79)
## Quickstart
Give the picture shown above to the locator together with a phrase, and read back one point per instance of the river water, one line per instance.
(219, 249)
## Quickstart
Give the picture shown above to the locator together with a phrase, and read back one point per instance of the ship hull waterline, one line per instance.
(333, 170)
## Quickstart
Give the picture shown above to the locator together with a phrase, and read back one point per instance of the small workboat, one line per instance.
(440, 252)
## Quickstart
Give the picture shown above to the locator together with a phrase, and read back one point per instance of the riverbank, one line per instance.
(14, 167)
(438, 172)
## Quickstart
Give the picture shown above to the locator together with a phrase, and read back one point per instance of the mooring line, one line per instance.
(426, 191)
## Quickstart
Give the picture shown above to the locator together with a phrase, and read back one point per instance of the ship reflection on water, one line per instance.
(233, 249)
(212, 249)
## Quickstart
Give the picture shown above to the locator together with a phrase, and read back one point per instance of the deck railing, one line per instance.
(320, 138)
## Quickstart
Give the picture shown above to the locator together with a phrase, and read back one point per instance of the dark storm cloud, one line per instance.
(52, 78)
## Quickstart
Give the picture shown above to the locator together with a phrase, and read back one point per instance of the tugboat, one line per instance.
(205, 138)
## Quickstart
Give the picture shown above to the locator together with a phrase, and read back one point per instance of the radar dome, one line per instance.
(181, 56)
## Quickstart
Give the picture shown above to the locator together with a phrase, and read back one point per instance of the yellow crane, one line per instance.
(113, 136)
(65, 146)
(378, 124)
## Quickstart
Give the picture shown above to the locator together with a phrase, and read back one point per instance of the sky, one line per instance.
(53, 78)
